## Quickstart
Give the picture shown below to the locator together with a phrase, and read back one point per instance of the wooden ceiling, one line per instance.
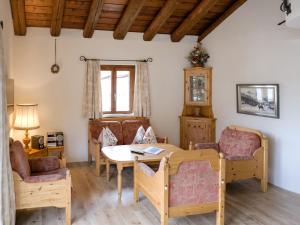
(175, 17)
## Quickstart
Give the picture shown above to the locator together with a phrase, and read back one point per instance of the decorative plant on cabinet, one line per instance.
(197, 122)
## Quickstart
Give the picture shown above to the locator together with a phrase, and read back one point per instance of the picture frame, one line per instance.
(258, 99)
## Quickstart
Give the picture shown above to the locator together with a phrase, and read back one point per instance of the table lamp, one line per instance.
(26, 118)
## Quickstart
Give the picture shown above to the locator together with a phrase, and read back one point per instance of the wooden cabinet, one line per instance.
(197, 122)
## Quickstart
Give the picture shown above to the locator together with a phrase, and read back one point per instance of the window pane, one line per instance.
(106, 90)
(123, 91)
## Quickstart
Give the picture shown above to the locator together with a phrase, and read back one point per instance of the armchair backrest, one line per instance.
(194, 177)
(239, 142)
(18, 159)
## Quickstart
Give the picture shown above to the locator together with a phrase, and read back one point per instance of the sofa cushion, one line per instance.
(149, 137)
(130, 127)
(107, 138)
(238, 144)
(96, 128)
(138, 139)
(18, 159)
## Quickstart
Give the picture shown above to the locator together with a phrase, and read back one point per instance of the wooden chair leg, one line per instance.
(89, 153)
(164, 220)
(264, 184)
(68, 215)
(68, 198)
(107, 170)
(97, 159)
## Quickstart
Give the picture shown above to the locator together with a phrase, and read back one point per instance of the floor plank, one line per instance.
(94, 201)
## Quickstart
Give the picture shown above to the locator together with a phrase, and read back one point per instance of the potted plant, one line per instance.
(198, 57)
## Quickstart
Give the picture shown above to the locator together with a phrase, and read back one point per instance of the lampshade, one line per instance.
(26, 117)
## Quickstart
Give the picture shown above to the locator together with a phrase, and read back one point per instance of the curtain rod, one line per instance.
(83, 58)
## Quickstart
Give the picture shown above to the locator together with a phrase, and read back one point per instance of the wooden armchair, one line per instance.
(186, 183)
(40, 182)
(246, 154)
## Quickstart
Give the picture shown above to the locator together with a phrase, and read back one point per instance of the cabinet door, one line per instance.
(196, 131)
(197, 87)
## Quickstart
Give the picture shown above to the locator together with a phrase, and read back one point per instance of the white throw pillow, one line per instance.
(107, 138)
(149, 137)
(138, 139)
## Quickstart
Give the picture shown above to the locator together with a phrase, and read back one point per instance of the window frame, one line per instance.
(114, 69)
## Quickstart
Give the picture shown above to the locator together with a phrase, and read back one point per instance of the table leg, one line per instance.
(120, 169)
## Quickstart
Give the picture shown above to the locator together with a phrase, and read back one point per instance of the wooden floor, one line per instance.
(94, 201)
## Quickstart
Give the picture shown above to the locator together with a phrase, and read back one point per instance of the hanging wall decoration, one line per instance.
(198, 57)
(55, 66)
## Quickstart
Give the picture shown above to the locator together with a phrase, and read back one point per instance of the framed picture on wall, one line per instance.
(258, 99)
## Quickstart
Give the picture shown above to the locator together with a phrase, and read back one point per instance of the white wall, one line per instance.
(250, 48)
(60, 96)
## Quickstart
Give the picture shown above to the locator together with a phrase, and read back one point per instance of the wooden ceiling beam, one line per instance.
(93, 18)
(18, 15)
(163, 15)
(57, 17)
(223, 17)
(131, 12)
(195, 16)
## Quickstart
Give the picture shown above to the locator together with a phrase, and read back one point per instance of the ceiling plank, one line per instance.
(131, 12)
(193, 18)
(223, 17)
(18, 15)
(57, 17)
(161, 18)
(93, 17)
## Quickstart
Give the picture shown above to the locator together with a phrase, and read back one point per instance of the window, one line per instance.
(117, 85)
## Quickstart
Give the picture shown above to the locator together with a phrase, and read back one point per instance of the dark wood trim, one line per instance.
(57, 17)
(114, 69)
(18, 15)
(223, 17)
(93, 18)
(195, 16)
(161, 18)
(131, 12)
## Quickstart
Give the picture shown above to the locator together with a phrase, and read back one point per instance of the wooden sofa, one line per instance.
(246, 154)
(40, 182)
(186, 183)
(123, 128)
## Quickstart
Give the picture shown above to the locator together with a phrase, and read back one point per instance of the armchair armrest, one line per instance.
(44, 164)
(162, 140)
(199, 146)
(146, 169)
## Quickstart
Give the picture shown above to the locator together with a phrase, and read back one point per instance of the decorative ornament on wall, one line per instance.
(198, 57)
(55, 66)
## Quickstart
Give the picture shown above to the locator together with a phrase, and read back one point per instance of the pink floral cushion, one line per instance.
(130, 127)
(194, 183)
(44, 164)
(48, 176)
(237, 144)
(18, 159)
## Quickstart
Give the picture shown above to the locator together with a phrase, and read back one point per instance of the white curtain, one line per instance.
(92, 105)
(141, 100)
(7, 197)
